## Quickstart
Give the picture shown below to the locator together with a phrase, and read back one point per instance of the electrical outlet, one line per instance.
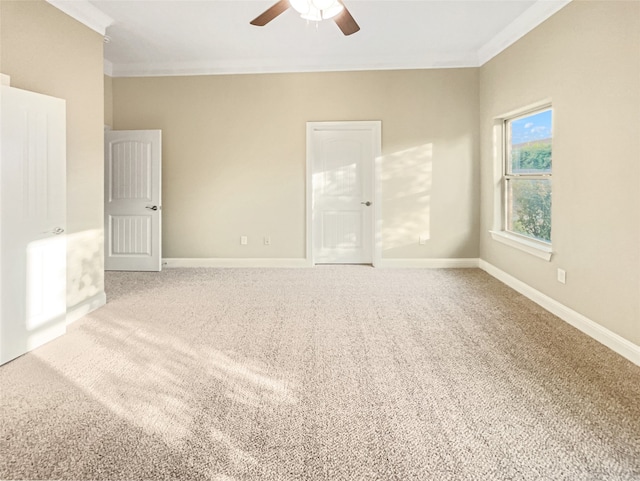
(267, 240)
(562, 276)
(244, 240)
(422, 240)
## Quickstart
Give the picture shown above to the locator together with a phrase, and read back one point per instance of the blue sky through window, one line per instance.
(533, 127)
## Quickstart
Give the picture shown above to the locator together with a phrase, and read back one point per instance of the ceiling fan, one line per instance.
(314, 10)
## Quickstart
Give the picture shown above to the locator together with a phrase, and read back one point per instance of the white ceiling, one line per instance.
(190, 37)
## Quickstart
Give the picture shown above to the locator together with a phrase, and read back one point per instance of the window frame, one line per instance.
(537, 247)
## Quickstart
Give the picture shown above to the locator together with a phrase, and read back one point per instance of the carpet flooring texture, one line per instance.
(330, 373)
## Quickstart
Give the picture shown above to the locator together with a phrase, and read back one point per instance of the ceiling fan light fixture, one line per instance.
(322, 4)
(300, 6)
(317, 10)
(311, 10)
(312, 15)
(332, 11)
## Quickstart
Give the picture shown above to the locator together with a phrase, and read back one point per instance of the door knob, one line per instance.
(56, 231)
(367, 203)
(153, 207)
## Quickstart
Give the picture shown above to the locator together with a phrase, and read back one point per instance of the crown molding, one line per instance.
(530, 19)
(85, 13)
(274, 65)
(540, 11)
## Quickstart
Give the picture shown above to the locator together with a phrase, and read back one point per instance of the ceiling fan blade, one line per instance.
(270, 13)
(345, 21)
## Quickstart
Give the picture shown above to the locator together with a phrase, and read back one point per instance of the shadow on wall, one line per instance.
(85, 265)
(37, 291)
(405, 182)
(34, 299)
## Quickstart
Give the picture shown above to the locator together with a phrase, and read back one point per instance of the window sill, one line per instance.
(537, 249)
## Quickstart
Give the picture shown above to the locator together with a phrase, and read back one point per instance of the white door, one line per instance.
(342, 164)
(133, 208)
(33, 252)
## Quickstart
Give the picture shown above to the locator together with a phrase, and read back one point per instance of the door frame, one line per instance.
(375, 127)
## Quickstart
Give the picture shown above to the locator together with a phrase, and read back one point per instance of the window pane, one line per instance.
(530, 144)
(529, 208)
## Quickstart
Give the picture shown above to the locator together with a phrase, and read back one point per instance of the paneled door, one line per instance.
(33, 249)
(342, 157)
(133, 208)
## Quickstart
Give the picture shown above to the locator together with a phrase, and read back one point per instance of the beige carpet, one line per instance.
(331, 373)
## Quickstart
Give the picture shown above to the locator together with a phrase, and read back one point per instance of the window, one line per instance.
(527, 175)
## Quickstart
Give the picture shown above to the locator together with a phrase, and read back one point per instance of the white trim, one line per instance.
(311, 64)
(297, 263)
(527, 109)
(613, 341)
(522, 25)
(530, 246)
(429, 263)
(530, 19)
(537, 249)
(85, 307)
(237, 262)
(375, 126)
(377, 201)
(85, 13)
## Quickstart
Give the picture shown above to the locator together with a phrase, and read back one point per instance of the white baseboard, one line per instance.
(276, 262)
(238, 262)
(591, 328)
(85, 307)
(428, 263)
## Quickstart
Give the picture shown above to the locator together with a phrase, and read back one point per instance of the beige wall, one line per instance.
(46, 51)
(586, 58)
(234, 150)
(234, 156)
(108, 101)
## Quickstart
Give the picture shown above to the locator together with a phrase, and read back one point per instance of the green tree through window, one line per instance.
(528, 175)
